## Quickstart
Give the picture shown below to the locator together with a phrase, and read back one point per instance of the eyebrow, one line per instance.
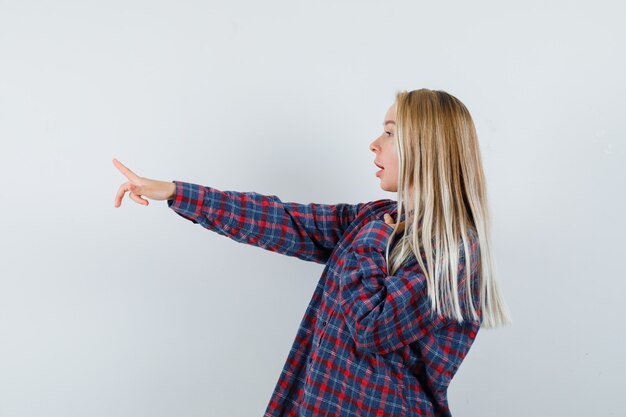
(389, 121)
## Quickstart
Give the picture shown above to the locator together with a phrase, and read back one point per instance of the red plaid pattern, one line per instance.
(369, 343)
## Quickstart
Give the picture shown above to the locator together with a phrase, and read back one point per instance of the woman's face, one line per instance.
(384, 147)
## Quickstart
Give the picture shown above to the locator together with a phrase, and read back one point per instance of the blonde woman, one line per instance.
(401, 298)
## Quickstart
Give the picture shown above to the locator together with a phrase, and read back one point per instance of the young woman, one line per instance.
(398, 305)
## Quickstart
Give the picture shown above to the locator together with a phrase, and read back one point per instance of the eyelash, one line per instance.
(389, 133)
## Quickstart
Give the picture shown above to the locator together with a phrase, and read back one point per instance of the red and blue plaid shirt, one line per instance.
(368, 344)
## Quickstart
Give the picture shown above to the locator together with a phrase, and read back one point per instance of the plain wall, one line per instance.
(136, 311)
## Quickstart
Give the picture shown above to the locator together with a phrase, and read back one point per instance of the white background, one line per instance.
(135, 311)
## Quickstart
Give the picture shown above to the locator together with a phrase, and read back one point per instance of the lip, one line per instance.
(376, 163)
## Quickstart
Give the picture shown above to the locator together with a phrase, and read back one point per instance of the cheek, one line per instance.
(393, 166)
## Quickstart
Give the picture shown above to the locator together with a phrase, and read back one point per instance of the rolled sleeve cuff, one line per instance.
(188, 201)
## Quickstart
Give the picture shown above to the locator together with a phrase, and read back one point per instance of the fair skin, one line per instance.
(384, 147)
(140, 187)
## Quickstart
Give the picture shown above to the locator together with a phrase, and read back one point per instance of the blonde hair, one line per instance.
(439, 159)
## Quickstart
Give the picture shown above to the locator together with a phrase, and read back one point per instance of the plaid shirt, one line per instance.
(367, 344)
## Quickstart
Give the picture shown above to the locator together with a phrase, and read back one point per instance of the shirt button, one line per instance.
(324, 323)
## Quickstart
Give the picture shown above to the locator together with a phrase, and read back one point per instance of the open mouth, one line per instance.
(380, 170)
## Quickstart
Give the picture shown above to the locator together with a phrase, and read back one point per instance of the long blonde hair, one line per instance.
(439, 159)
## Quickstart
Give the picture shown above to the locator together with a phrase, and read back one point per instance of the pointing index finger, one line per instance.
(127, 172)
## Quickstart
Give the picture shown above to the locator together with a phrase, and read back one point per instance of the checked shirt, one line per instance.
(367, 344)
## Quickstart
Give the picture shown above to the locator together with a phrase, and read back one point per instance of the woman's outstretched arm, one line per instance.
(306, 231)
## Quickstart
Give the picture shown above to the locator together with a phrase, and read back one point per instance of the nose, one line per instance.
(374, 145)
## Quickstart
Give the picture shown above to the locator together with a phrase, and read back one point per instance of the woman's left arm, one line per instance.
(383, 312)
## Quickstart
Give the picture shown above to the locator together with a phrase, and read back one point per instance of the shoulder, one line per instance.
(375, 209)
(367, 212)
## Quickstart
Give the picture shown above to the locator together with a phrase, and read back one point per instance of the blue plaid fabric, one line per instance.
(368, 344)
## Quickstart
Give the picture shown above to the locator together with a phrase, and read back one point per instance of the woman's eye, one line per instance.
(389, 133)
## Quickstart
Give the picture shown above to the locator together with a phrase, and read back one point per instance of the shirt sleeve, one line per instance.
(383, 312)
(306, 231)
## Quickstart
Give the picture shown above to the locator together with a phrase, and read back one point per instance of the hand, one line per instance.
(389, 220)
(139, 186)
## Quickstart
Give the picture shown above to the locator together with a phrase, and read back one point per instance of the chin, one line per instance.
(389, 188)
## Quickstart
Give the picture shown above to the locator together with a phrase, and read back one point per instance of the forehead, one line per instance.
(390, 116)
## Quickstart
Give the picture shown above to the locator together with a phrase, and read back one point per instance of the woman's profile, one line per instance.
(407, 283)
